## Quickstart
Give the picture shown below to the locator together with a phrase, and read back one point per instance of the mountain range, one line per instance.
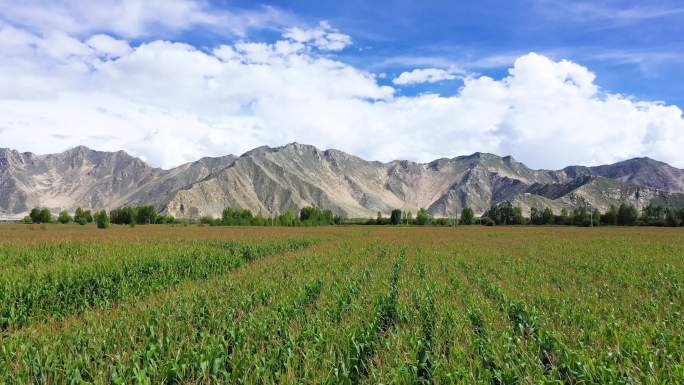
(273, 180)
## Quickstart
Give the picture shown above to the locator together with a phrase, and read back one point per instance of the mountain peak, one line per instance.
(299, 147)
(79, 150)
(258, 151)
(479, 155)
(644, 160)
(296, 175)
(81, 147)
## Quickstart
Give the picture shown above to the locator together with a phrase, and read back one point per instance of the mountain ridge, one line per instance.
(274, 179)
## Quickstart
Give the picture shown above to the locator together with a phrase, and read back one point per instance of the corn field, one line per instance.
(342, 305)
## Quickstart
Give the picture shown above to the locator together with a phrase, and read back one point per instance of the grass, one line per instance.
(350, 305)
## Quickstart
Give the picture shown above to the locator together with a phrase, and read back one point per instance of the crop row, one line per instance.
(55, 290)
(237, 326)
(379, 308)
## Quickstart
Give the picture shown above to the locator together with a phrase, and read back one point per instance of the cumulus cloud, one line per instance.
(108, 45)
(171, 102)
(323, 37)
(423, 75)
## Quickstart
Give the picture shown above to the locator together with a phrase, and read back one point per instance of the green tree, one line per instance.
(259, 220)
(505, 214)
(595, 218)
(80, 217)
(467, 216)
(395, 217)
(441, 221)
(236, 217)
(536, 216)
(123, 216)
(423, 217)
(64, 217)
(209, 220)
(145, 215)
(653, 215)
(162, 219)
(581, 216)
(672, 218)
(45, 216)
(314, 216)
(288, 218)
(517, 218)
(39, 215)
(627, 215)
(610, 216)
(547, 216)
(35, 215)
(102, 219)
(563, 218)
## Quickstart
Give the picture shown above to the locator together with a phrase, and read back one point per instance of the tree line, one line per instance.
(121, 216)
(143, 215)
(623, 215)
(507, 214)
(308, 216)
(501, 214)
(43, 215)
(422, 218)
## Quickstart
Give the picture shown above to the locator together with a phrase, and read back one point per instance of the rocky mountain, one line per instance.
(273, 180)
(81, 177)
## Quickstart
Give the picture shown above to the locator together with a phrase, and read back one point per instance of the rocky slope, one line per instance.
(81, 177)
(273, 180)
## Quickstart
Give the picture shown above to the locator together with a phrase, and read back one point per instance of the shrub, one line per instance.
(64, 217)
(423, 217)
(486, 221)
(82, 217)
(208, 220)
(102, 219)
(314, 216)
(236, 217)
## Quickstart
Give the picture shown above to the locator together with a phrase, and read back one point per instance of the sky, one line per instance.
(550, 82)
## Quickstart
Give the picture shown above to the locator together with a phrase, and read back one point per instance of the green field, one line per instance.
(164, 304)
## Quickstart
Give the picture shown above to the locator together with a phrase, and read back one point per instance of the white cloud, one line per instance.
(423, 75)
(171, 102)
(323, 37)
(612, 15)
(108, 45)
(135, 18)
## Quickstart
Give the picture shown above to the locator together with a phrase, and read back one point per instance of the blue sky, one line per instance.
(639, 53)
(634, 47)
(551, 82)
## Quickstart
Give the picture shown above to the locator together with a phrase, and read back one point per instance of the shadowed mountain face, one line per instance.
(274, 180)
